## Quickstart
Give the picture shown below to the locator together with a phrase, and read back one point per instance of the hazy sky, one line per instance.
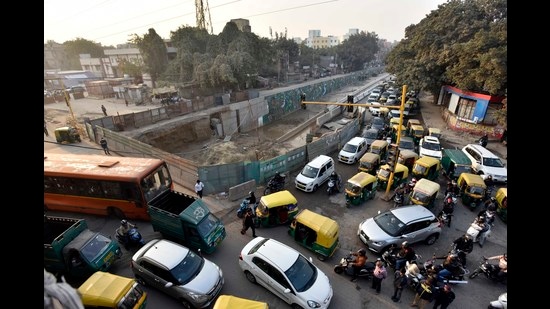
(111, 22)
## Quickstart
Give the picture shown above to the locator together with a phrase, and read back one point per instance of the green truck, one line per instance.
(187, 220)
(70, 248)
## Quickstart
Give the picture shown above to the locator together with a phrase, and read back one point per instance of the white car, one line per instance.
(486, 163)
(286, 273)
(430, 146)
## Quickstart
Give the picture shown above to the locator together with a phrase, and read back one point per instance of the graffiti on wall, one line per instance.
(478, 129)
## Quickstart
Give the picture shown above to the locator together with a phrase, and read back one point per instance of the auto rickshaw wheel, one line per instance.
(321, 257)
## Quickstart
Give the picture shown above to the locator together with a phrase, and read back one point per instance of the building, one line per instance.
(350, 33)
(242, 24)
(66, 79)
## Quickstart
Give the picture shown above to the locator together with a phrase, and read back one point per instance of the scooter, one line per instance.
(474, 231)
(245, 205)
(366, 272)
(334, 186)
(132, 239)
(500, 303)
(444, 218)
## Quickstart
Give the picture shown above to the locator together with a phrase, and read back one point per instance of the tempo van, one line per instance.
(315, 173)
(353, 150)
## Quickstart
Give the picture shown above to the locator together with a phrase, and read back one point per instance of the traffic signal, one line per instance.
(350, 100)
(302, 99)
(393, 155)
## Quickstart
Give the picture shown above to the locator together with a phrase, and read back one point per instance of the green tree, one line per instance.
(74, 48)
(153, 51)
(133, 68)
(357, 50)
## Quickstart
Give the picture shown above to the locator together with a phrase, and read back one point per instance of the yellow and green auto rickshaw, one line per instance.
(276, 209)
(424, 193)
(369, 163)
(315, 232)
(417, 133)
(399, 176)
(232, 302)
(359, 188)
(394, 121)
(426, 167)
(502, 203)
(472, 189)
(410, 123)
(434, 132)
(407, 157)
(379, 147)
(394, 129)
(67, 135)
(454, 162)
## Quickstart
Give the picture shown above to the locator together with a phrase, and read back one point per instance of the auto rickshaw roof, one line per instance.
(457, 156)
(370, 157)
(503, 191)
(362, 179)
(434, 130)
(417, 127)
(427, 161)
(427, 186)
(395, 126)
(413, 121)
(406, 153)
(326, 228)
(398, 168)
(471, 180)
(277, 199)
(501, 194)
(379, 143)
(229, 302)
(103, 289)
(394, 120)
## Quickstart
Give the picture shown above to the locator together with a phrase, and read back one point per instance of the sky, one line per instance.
(112, 22)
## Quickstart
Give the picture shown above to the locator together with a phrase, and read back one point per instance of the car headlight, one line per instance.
(313, 304)
(379, 243)
(199, 298)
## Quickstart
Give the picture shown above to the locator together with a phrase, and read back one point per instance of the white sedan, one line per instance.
(430, 146)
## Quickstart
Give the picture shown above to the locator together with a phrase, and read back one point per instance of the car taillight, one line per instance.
(240, 257)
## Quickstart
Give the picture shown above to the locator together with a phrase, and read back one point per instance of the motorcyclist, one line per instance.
(484, 140)
(406, 254)
(451, 267)
(335, 178)
(411, 185)
(358, 263)
(452, 188)
(490, 211)
(278, 179)
(483, 227)
(122, 230)
(465, 245)
(502, 265)
(400, 191)
(251, 198)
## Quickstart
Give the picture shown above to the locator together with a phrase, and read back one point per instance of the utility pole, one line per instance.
(68, 101)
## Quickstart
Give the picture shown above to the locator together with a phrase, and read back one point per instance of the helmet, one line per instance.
(250, 192)
(123, 222)
(493, 199)
(453, 182)
(333, 174)
(466, 236)
(362, 252)
(405, 244)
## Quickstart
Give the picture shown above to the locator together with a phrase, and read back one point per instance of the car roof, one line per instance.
(276, 252)
(163, 252)
(356, 140)
(431, 139)
(484, 151)
(412, 213)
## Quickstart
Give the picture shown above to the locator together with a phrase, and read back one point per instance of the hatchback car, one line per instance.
(286, 273)
(407, 143)
(430, 146)
(179, 272)
(412, 223)
(486, 163)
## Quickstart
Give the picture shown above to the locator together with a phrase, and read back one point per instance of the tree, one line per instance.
(78, 46)
(153, 51)
(132, 68)
(357, 50)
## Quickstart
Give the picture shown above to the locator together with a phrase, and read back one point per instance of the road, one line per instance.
(475, 294)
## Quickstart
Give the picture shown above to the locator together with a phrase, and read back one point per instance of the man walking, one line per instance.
(379, 274)
(444, 297)
(248, 222)
(46, 129)
(103, 143)
(399, 283)
(104, 109)
(199, 186)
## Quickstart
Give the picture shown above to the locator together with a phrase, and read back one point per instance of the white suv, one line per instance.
(486, 163)
(430, 146)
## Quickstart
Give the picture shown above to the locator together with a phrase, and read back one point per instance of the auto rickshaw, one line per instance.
(400, 176)
(502, 203)
(315, 232)
(276, 209)
(384, 113)
(454, 162)
(361, 187)
(410, 123)
(472, 189)
(424, 193)
(369, 163)
(426, 167)
(417, 133)
(407, 158)
(231, 302)
(67, 135)
(379, 147)
(394, 121)
(394, 129)
(434, 132)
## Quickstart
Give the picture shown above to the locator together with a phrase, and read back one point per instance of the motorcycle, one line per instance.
(489, 270)
(334, 186)
(444, 218)
(390, 256)
(243, 208)
(275, 184)
(367, 271)
(398, 199)
(474, 231)
(133, 238)
(482, 141)
(500, 303)
(445, 275)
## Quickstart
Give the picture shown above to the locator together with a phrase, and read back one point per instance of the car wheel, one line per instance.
(295, 306)
(250, 276)
(431, 239)
(186, 304)
(315, 187)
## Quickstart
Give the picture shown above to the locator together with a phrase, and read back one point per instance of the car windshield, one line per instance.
(310, 172)
(459, 169)
(371, 134)
(188, 268)
(422, 197)
(350, 148)
(389, 223)
(405, 144)
(378, 121)
(476, 190)
(492, 162)
(95, 247)
(302, 274)
(355, 189)
(431, 146)
(383, 173)
(419, 169)
(207, 225)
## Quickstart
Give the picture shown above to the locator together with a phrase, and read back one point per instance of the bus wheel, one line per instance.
(117, 213)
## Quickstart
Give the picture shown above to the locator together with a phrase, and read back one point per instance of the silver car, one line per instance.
(412, 223)
(179, 272)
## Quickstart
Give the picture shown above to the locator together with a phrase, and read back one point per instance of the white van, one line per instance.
(353, 150)
(315, 174)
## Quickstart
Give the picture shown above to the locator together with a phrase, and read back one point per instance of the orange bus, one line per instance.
(103, 185)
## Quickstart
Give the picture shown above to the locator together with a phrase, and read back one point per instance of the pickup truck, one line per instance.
(186, 220)
(70, 248)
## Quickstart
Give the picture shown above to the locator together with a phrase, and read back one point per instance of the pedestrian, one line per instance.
(399, 283)
(103, 143)
(126, 101)
(424, 293)
(46, 129)
(444, 297)
(104, 109)
(379, 274)
(248, 222)
(199, 186)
